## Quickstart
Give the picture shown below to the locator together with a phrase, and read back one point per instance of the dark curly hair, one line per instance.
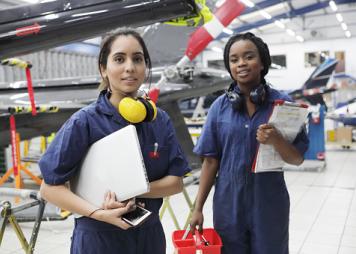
(261, 46)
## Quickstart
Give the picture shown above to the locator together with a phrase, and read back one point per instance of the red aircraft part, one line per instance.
(212, 29)
(27, 30)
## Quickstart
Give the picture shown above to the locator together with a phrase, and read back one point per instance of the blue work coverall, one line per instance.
(61, 160)
(250, 211)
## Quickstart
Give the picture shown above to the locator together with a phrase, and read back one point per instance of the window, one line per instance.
(279, 62)
(217, 64)
(313, 59)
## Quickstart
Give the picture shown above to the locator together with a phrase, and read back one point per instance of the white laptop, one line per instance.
(112, 163)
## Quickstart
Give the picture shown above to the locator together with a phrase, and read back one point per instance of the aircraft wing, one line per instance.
(73, 94)
(29, 28)
(316, 84)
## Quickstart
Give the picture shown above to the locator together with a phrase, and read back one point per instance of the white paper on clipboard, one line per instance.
(288, 118)
(113, 163)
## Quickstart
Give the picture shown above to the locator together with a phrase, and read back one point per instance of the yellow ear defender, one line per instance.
(136, 110)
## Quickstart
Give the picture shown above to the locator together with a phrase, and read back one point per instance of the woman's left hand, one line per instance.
(267, 134)
(110, 202)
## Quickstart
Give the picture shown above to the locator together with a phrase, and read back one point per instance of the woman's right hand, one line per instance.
(113, 210)
(196, 220)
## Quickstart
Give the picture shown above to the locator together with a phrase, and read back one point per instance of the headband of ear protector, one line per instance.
(136, 110)
(236, 98)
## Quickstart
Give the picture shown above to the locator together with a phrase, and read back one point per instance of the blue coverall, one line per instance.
(61, 160)
(250, 211)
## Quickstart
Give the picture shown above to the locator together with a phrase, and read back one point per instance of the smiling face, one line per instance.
(125, 68)
(245, 64)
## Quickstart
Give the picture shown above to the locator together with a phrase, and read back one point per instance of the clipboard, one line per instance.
(288, 118)
(113, 163)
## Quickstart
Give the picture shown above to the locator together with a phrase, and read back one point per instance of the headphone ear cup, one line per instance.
(132, 110)
(258, 95)
(151, 109)
(235, 99)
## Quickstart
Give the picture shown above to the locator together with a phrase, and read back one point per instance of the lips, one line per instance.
(130, 79)
(243, 73)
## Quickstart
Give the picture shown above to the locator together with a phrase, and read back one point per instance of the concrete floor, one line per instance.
(322, 221)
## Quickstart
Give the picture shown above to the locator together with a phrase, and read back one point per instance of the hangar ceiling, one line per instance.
(277, 21)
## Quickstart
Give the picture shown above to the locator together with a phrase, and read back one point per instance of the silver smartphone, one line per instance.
(137, 216)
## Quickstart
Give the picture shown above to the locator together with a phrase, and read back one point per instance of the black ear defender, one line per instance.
(236, 98)
(137, 110)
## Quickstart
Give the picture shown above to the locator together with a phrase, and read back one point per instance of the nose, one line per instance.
(129, 66)
(241, 62)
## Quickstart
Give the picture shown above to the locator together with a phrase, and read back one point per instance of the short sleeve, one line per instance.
(59, 162)
(207, 144)
(178, 163)
(301, 142)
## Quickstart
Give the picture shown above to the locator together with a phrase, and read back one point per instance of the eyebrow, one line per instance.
(122, 53)
(245, 53)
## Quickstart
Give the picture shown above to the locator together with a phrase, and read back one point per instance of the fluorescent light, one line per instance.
(299, 38)
(279, 24)
(248, 3)
(348, 34)
(344, 26)
(333, 5)
(265, 14)
(339, 17)
(216, 49)
(228, 31)
(290, 32)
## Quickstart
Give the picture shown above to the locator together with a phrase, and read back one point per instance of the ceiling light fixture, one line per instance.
(216, 49)
(299, 38)
(333, 5)
(339, 17)
(265, 14)
(290, 32)
(344, 26)
(279, 24)
(228, 31)
(248, 3)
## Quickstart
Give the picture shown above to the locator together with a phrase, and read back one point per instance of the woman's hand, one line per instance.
(110, 201)
(113, 210)
(196, 220)
(267, 134)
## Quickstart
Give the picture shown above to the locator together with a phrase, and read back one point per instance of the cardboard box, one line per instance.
(344, 135)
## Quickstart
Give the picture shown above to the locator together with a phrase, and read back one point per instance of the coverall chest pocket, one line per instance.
(156, 161)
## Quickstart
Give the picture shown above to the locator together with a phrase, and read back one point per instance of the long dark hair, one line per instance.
(105, 50)
(261, 46)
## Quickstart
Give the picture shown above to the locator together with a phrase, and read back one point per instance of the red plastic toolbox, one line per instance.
(193, 245)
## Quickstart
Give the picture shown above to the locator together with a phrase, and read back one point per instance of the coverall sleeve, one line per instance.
(61, 160)
(301, 141)
(207, 144)
(178, 164)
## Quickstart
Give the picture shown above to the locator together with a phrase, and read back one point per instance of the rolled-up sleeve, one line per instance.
(207, 144)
